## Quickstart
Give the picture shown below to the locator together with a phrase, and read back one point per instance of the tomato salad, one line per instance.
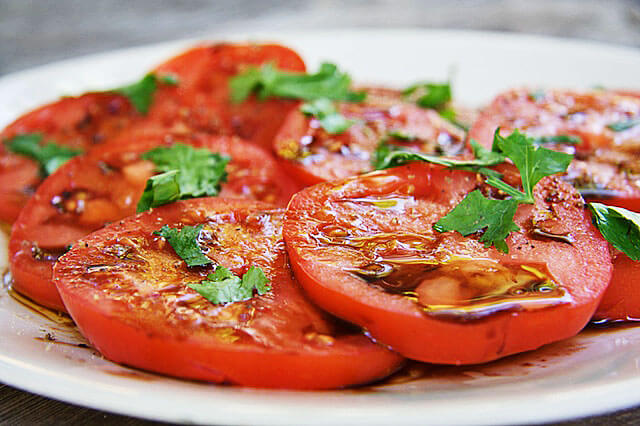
(234, 218)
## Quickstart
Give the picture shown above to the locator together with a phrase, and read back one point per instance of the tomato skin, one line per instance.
(312, 155)
(181, 339)
(110, 196)
(80, 122)
(621, 300)
(204, 94)
(199, 103)
(582, 269)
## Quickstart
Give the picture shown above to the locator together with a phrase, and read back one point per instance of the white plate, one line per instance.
(592, 373)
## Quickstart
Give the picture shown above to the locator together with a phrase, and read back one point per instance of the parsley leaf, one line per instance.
(429, 94)
(533, 162)
(50, 156)
(620, 126)
(185, 244)
(140, 93)
(619, 226)
(328, 116)
(475, 212)
(160, 189)
(223, 286)
(558, 139)
(267, 81)
(387, 156)
(188, 173)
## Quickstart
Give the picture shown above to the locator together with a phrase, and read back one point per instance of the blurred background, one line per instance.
(35, 32)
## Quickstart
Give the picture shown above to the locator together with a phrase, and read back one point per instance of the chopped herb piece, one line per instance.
(327, 114)
(401, 135)
(223, 286)
(533, 162)
(50, 156)
(387, 156)
(140, 93)
(558, 139)
(188, 173)
(160, 189)
(619, 226)
(537, 95)
(428, 94)
(475, 212)
(620, 126)
(449, 114)
(185, 243)
(267, 81)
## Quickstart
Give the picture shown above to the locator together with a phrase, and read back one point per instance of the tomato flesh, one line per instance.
(339, 234)
(313, 155)
(605, 168)
(127, 291)
(104, 186)
(198, 103)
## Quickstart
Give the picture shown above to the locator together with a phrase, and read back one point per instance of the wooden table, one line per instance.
(34, 33)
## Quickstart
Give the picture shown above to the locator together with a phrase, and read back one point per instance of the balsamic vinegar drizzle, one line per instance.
(465, 289)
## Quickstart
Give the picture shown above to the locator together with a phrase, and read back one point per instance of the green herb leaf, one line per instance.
(223, 286)
(537, 95)
(188, 173)
(401, 135)
(140, 93)
(185, 243)
(558, 139)
(387, 156)
(619, 226)
(160, 189)
(267, 81)
(475, 213)
(620, 126)
(533, 162)
(50, 156)
(429, 94)
(327, 114)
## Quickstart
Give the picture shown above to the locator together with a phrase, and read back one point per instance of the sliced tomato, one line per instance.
(204, 73)
(199, 102)
(312, 155)
(605, 165)
(78, 122)
(364, 249)
(128, 292)
(104, 186)
(621, 301)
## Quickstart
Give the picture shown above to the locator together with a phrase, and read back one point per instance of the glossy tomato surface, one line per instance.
(606, 164)
(606, 167)
(78, 122)
(127, 291)
(199, 102)
(365, 249)
(104, 186)
(204, 73)
(313, 155)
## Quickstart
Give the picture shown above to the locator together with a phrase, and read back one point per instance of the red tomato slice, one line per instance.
(364, 249)
(200, 102)
(204, 73)
(127, 291)
(621, 301)
(79, 122)
(104, 186)
(605, 168)
(312, 155)
(605, 164)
